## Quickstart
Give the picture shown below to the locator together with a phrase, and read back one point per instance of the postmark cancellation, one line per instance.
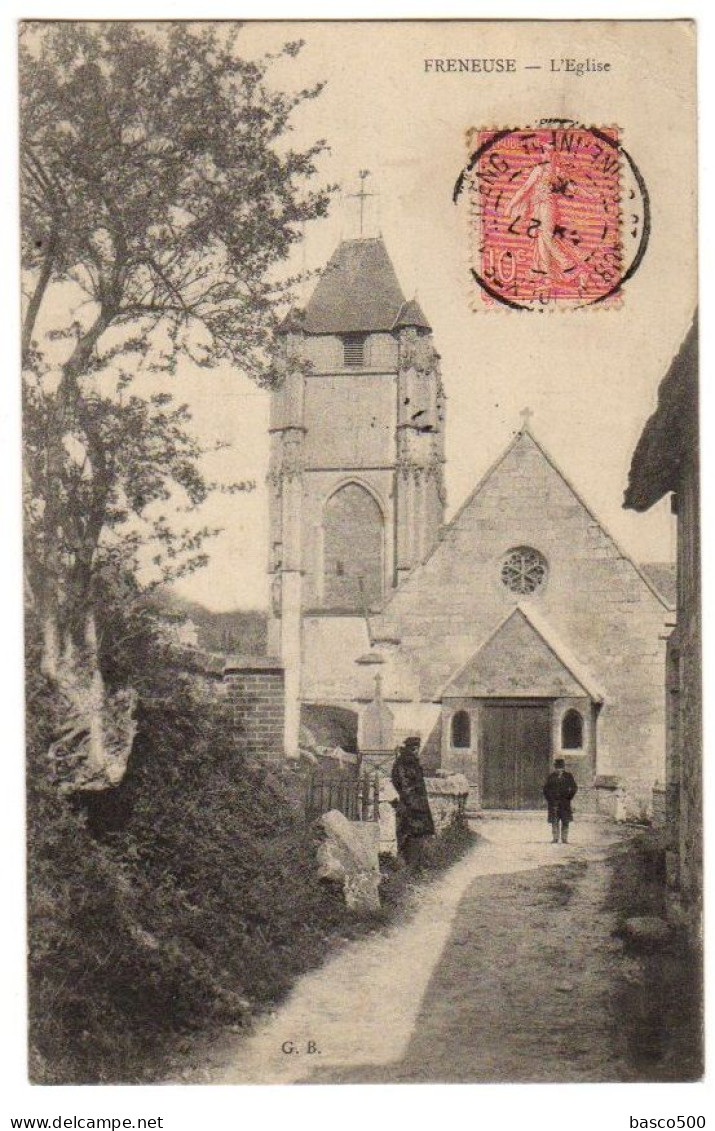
(557, 216)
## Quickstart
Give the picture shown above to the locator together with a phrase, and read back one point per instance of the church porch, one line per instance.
(521, 700)
(506, 746)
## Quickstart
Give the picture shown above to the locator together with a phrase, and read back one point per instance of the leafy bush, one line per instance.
(454, 841)
(182, 896)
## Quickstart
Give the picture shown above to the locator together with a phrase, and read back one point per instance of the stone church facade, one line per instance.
(517, 632)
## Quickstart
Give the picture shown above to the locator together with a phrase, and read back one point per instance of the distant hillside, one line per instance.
(238, 630)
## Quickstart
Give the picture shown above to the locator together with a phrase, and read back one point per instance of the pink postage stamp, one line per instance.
(558, 216)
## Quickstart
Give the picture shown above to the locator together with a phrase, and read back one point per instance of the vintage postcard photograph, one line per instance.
(361, 552)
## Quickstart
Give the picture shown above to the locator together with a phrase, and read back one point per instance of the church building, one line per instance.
(517, 632)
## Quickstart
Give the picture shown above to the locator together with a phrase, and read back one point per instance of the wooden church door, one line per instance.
(515, 754)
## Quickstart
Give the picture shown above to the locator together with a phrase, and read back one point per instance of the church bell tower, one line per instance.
(356, 467)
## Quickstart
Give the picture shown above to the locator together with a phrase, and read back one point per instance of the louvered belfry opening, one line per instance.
(354, 350)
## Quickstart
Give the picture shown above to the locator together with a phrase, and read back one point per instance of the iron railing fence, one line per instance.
(357, 798)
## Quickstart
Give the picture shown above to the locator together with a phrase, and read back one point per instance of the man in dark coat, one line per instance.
(414, 819)
(559, 791)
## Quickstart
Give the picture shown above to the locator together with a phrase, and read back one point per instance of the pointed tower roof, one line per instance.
(358, 291)
(411, 314)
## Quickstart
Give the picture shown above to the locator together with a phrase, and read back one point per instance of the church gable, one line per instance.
(596, 598)
(523, 499)
(516, 661)
(526, 479)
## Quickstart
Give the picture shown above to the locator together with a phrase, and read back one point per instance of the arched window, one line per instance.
(353, 540)
(572, 731)
(461, 731)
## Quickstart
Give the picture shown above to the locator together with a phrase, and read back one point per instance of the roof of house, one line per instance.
(358, 292)
(670, 433)
(293, 320)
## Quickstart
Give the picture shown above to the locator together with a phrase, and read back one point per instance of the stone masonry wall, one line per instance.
(690, 729)
(447, 796)
(594, 600)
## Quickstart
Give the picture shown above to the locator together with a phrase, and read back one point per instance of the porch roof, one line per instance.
(522, 657)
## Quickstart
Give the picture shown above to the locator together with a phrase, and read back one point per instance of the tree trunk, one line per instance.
(50, 657)
(96, 753)
(92, 751)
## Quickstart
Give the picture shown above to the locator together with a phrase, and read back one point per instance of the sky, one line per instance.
(590, 376)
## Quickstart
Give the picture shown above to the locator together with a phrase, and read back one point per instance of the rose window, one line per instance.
(523, 570)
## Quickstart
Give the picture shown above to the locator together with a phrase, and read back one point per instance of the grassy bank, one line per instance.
(183, 900)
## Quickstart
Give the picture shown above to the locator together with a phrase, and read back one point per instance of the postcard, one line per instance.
(362, 553)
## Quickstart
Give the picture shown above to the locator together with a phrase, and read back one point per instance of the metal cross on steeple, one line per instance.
(361, 196)
(526, 415)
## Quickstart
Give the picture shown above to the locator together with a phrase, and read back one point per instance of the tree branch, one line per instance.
(33, 307)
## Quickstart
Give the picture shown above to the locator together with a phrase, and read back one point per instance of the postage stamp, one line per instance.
(558, 215)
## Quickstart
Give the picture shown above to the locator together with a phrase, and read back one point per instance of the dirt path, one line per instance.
(500, 973)
(523, 987)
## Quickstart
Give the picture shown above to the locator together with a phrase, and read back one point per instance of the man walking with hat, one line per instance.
(559, 791)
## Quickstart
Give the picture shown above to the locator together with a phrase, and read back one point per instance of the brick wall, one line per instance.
(252, 690)
(256, 700)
